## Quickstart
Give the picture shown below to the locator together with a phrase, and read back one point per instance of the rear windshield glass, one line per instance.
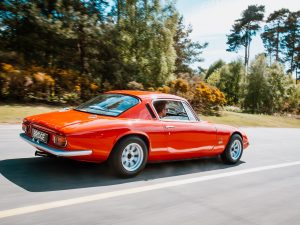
(108, 104)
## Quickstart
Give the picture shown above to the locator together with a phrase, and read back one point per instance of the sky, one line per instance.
(212, 20)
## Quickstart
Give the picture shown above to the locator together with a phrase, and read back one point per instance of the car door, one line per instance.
(186, 135)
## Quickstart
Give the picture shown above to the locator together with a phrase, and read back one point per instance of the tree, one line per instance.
(268, 89)
(244, 29)
(135, 42)
(232, 82)
(291, 41)
(53, 33)
(13, 22)
(256, 88)
(228, 79)
(274, 33)
(213, 67)
(143, 42)
(187, 51)
(279, 88)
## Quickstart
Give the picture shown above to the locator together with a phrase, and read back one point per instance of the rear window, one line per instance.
(108, 104)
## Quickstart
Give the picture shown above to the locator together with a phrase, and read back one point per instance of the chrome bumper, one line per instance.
(54, 151)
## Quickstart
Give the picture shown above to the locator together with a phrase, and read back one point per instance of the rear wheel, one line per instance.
(234, 150)
(129, 157)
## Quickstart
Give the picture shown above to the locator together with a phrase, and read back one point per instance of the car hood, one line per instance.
(64, 118)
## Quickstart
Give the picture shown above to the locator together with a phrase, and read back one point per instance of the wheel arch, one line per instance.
(238, 133)
(143, 136)
(230, 136)
(225, 155)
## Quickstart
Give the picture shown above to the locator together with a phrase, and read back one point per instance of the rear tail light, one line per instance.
(25, 128)
(60, 141)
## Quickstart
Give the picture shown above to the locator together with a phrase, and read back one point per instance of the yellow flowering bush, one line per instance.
(8, 68)
(44, 84)
(164, 89)
(180, 85)
(94, 87)
(12, 82)
(36, 83)
(206, 99)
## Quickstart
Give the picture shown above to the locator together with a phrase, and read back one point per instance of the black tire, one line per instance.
(227, 156)
(116, 160)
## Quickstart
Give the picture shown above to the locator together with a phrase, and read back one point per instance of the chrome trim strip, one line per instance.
(54, 151)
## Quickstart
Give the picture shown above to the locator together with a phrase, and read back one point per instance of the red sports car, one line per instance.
(129, 129)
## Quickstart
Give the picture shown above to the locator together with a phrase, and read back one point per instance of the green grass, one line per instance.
(253, 120)
(14, 113)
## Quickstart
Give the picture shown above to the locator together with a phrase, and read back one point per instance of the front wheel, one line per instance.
(234, 150)
(129, 157)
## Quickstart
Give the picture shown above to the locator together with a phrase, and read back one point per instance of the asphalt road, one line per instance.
(263, 189)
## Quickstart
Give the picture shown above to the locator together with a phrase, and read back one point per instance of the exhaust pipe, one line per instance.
(43, 154)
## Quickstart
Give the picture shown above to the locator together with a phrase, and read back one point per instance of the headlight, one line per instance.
(60, 141)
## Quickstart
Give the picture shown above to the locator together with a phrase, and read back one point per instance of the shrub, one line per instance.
(292, 104)
(269, 89)
(133, 85)
(164, 89)
(45, 84)
(205, 98)
(208, 99)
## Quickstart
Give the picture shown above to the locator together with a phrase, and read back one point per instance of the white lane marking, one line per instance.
(96, 197)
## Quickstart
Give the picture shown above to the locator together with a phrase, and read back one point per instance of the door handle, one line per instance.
(170, 127)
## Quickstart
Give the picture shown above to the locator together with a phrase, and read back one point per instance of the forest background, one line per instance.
(65, 52)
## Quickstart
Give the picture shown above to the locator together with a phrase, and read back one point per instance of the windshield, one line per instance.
(108, 104)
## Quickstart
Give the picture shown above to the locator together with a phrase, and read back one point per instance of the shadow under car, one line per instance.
(40, 174)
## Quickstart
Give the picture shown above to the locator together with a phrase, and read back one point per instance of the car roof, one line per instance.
(146, 94)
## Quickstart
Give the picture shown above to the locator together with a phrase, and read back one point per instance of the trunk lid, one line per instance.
(63, 118)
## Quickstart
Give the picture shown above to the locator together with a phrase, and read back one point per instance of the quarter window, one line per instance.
(189, 112)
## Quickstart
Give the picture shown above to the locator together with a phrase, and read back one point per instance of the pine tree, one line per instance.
(187, 51)
(291, 41)
(274, 33)
(244, 29)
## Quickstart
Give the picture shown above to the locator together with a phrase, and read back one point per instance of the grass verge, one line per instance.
(14, 113)
(253, 120)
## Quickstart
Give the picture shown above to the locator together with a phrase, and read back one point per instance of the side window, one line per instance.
(161, 108)
(189, 112)
(170, 110)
